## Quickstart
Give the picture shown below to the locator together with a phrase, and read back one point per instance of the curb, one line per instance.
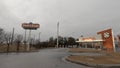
(94, 65)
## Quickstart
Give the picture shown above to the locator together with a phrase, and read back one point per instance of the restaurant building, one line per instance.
(104, 40)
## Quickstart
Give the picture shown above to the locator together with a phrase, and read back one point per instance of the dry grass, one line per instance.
(83, 50)
(13, 48)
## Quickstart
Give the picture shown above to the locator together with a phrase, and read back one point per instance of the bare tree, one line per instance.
(71, 41)
(51, 42)
(7, 37)
(18, 40)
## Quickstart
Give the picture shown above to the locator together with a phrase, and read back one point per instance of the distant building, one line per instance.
(91, 42)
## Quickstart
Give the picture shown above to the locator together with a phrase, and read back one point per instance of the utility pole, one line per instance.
(25, 36)
(34, 40)
(39, 37)
(57, 34)
(12, 36)
(25, 40)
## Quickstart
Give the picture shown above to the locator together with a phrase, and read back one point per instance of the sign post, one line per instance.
(108, 37)
(30, 26)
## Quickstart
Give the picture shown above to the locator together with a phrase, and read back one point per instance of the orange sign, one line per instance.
(108, 38)
(30, 26)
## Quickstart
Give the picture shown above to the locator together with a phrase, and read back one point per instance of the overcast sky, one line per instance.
(76, 17)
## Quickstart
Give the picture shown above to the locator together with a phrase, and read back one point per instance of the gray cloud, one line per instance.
(76, 17)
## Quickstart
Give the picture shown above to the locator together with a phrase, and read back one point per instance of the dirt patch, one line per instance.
(109, 58)
(86, 50)
(96, 59)
(13, 48)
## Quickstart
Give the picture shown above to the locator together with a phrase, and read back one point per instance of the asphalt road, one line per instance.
(45, 58)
